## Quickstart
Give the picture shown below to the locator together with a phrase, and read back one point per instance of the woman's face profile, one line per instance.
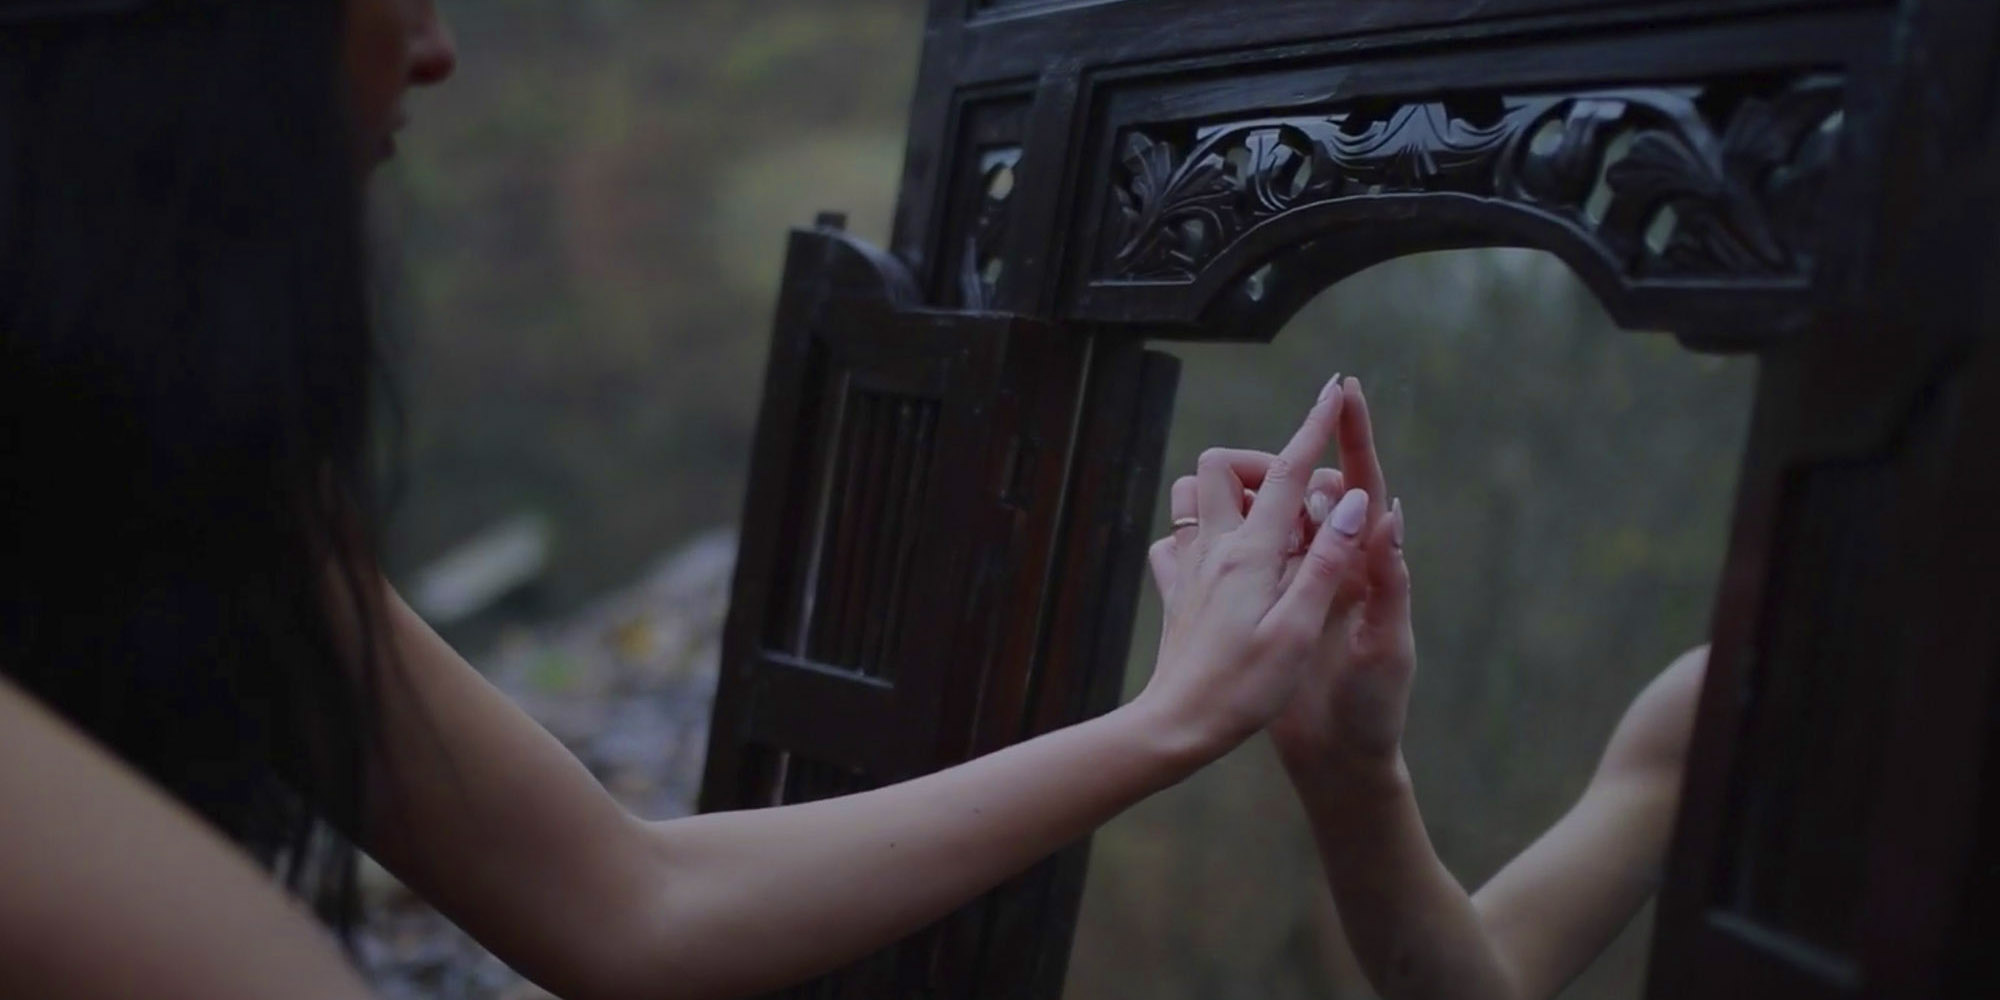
(391, 46)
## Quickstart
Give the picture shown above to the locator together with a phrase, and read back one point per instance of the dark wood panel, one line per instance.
(1801, 805)
(1135, 31)
(1088, 641)
(1899, 326)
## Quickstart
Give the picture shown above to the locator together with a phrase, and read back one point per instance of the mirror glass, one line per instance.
(1568, 490)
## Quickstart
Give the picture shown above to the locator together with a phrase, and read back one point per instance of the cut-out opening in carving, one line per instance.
(1301, 171)
(990, 272)
(1548, 139)
(1567, 487)
(1602, 194)
(1194, 237)
(1483, 111)
(1257, 284)
(1366, 115)
(1000, 182)
(1238, 159)
(1661, 229)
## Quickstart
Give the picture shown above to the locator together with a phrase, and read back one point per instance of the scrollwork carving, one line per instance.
(1683, 182)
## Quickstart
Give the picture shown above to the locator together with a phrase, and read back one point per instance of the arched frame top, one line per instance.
(1639, 191)
(1691, 202)
(1683, 172)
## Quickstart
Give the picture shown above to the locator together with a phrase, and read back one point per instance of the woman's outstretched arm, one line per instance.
(495, 822)
(110, 889)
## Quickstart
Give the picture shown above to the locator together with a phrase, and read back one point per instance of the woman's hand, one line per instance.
(1248, 606)
(1353, 694)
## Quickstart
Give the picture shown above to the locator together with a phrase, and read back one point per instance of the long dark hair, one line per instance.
(185, 376)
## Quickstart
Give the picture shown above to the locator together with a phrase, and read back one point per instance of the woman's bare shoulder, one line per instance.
(115, 890)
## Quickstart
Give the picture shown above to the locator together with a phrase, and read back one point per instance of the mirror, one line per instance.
(1567, 488)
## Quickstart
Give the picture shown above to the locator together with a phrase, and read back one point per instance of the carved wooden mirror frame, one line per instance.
(960, 441)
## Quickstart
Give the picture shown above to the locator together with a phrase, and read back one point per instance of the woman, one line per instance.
(206, 681)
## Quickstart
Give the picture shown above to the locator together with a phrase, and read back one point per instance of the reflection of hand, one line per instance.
(1244, 607)
(1352, 703)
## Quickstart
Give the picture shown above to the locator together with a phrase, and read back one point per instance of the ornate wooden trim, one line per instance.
(1656, 180)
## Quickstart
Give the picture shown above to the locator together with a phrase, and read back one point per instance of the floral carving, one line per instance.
(1419, 147)
(1688, 182)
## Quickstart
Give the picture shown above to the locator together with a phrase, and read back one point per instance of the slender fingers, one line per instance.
(1388, 573)
(1247, 464)
(1358, 457)
(1327, 487)
(1322, 492)
(1250, 466)
(1217, 490)
(1166, 554)
(1182, 504)
(1164, 560)
(1323, 572)
(1283, 492)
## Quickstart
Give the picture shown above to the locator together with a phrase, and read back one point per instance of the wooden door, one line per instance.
(924, 485)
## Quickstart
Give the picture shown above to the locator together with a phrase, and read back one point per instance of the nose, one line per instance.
(433, 50)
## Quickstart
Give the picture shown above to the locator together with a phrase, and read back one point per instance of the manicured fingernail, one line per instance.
(1294, 542)
(1348, 516)
(1318, 505)
(1332, 386)
(1396, 524)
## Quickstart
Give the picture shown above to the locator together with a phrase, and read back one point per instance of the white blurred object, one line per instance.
(472, 577)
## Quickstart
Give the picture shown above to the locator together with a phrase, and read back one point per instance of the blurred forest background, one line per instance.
(583, 240)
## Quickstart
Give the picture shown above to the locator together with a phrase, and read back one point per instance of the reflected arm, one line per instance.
(1539, 922)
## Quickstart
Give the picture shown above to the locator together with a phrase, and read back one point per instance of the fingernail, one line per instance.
(1318, 505)
(1348, 516)
(1332, 386)
(1294, 543)
(1396, 525)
